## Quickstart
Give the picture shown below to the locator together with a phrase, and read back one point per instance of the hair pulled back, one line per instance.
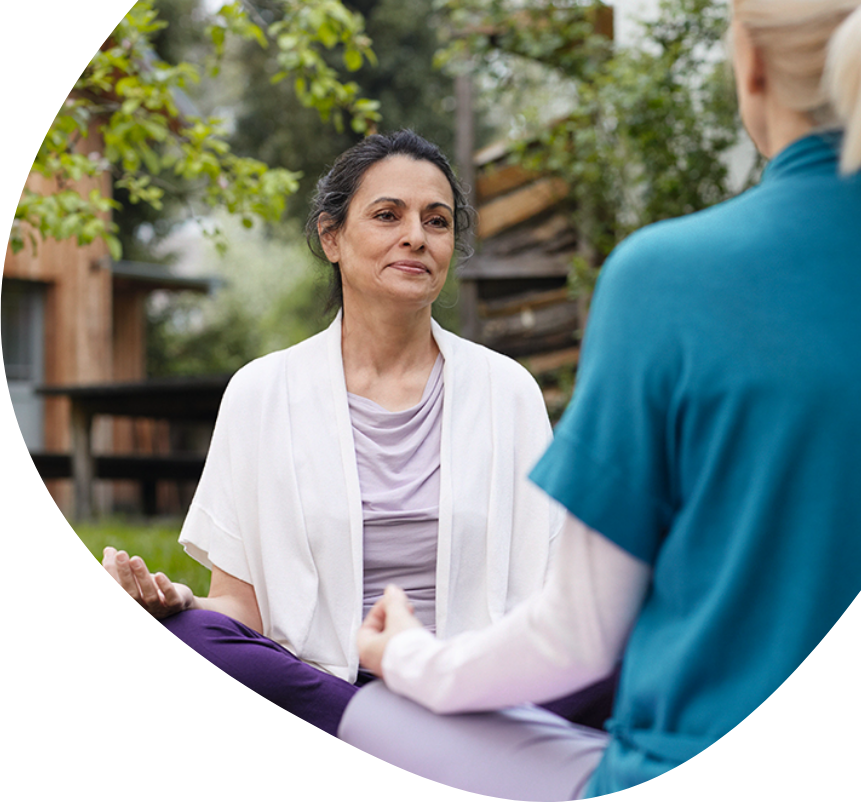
(336, 189)
(813, 52)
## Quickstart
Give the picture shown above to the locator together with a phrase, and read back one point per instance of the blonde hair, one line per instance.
(813, 52)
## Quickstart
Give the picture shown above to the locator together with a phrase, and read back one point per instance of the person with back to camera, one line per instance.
(708, 461)
(384, 449)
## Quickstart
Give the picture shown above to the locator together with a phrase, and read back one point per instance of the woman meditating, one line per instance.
(384, 449)
(709, 463)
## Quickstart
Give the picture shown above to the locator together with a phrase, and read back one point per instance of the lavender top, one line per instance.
(398, 458)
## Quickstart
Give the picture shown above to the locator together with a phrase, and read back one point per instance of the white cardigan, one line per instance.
(279, 505)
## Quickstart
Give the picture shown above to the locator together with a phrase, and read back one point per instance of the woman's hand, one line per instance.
(391, 615)
(154, 592)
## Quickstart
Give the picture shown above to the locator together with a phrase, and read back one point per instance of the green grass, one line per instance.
(155, 541)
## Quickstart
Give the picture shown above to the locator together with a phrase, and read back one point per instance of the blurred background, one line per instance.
(158, 244)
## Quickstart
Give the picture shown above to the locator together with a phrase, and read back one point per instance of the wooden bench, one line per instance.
(144, 468)
(186, 399)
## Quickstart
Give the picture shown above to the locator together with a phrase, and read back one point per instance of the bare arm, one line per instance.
(233, 597)
(160, 597)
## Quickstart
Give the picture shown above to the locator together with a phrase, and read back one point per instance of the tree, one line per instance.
(152, 146)
(269, 122)
(271, 295)
(272, 124)
(648, 126)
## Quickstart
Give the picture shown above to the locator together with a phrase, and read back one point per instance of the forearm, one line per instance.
(569, 635)
(232, 597)
(485, 670)
(232, 607)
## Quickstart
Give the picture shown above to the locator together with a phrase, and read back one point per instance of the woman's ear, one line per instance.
(328, 239)
(747, 62)
(756, 77)
(752, 86)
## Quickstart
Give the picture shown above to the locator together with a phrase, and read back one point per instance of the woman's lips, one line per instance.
(410, 267)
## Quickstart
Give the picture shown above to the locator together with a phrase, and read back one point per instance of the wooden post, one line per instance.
(149, 498)
(465, 132)
(464, 155)
(83, 464)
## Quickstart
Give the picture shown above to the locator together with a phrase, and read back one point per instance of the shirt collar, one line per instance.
(816, 153)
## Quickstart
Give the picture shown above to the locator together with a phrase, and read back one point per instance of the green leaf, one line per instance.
(115, 248)
(133, 98)
(327, 35)
(352, 60)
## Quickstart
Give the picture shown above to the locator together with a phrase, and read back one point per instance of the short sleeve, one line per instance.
(609, 463)
(211, 532)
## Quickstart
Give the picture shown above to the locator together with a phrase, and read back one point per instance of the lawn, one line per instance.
(155, 541)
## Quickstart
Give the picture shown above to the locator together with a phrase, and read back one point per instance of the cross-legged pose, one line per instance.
(384, 449)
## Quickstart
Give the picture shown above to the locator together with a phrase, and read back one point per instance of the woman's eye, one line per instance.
(439, 222)
(384, 215)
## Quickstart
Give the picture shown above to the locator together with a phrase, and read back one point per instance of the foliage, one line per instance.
(648, 125)
(413, 93)
(272, 124)
(153, 143)
(271, 297)
(273, 293)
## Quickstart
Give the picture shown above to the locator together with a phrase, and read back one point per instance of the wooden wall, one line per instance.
(78, 318)
(95, 332)
(518, 298)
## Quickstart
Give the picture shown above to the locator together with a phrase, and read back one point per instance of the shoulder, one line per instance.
(254, 379)
(669, 265)
(498, 371)
(699, 238)
(480, 357)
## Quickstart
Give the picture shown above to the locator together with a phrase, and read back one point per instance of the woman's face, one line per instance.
(398, 239)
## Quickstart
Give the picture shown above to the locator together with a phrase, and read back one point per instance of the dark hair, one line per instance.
(335, 191)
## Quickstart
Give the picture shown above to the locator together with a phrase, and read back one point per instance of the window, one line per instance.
(22, 331)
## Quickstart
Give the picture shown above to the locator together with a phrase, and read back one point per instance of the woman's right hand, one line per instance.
(154, 592)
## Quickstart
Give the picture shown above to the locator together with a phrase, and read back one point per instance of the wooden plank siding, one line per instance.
(498, 180)
(94, 333)
(78, 315)
(514, 294)
(516, 284)
(516, 207)
(131, 436)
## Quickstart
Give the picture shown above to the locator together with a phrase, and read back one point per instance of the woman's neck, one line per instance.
(387, 357)
(785, 126)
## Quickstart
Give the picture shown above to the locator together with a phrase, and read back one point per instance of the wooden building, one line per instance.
(514, 294)
(514, 290)
(71, 316)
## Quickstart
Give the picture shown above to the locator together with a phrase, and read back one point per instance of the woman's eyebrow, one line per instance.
(443, 205)
(398, 202)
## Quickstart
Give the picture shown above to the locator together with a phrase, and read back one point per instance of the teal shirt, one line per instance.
(715, 434)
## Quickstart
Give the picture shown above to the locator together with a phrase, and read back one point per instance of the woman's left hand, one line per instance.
(391, 615)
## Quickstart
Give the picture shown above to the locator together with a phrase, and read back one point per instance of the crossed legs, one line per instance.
(265, 667)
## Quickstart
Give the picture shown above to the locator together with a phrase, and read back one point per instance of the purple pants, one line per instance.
(313, 695)
(266, 667)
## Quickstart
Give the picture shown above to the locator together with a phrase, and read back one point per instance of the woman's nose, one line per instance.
(413, 235)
